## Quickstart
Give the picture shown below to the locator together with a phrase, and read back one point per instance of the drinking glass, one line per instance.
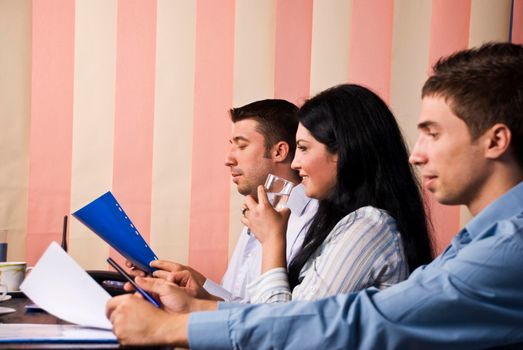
(278, 191)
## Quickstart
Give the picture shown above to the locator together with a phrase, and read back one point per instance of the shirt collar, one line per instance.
(298, 200)
(506, 206)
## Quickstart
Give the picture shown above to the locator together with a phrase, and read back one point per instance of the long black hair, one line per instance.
(372, 170)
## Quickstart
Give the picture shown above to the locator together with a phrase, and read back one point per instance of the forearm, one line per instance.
(175, 330)
(273, 254)
(267, 327)
(203, 305)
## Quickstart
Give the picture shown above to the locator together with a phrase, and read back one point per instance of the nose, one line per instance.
(295, 163)
(418, 155)
(230, 160)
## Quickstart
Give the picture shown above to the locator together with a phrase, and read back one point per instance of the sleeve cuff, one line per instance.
(230, 305)
(209, 330)
(215, 289)
(272, 286)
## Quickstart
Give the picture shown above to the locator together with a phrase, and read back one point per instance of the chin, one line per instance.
(447, 199)
(311, 194)
(243, 191)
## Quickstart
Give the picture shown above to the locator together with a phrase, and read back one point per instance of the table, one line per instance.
(21, 316)
(19, 302)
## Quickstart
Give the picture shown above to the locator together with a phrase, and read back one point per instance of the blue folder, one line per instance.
(106, 217)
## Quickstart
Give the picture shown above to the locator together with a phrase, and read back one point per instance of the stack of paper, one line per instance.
(44, 333)
(61, 287)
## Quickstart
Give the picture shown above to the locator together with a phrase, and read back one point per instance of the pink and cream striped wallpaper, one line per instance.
(132, 96)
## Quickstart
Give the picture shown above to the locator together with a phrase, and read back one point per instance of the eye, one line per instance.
(301, 148)
(430, 132)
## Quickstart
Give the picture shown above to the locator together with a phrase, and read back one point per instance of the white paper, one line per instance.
(61, 287)
(56, 332)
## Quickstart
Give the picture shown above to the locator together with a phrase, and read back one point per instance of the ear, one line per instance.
(334, 157)
(280, 151)
(497, 141)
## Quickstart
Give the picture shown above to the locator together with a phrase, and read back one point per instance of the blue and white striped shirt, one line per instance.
(363, 250)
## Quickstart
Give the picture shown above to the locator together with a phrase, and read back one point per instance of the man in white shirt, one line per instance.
(262, 143)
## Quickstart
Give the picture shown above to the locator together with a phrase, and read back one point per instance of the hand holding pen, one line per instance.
(146, 295)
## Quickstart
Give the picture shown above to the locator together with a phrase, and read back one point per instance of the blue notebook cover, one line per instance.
(106, 217)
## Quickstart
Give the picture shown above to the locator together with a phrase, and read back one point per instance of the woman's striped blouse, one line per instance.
(363, 250)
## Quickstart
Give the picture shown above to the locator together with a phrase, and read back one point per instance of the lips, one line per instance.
(428, 180)
(304, 178)
(235, 177)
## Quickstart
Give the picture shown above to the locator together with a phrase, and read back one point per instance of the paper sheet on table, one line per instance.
(41, 333)
(61, 287)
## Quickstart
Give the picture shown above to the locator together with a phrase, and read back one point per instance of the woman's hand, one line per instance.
(269, 226)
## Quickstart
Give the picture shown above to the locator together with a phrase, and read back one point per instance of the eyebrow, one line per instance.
(239, 138)
(427, 124)
(301, 140)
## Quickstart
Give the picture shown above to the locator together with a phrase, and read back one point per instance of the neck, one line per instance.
(285, 171)
(503, 180)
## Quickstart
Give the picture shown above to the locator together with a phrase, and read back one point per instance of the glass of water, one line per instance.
(278, 190)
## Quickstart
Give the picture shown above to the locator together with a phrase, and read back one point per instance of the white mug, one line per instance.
(11, 275)
(3, 291)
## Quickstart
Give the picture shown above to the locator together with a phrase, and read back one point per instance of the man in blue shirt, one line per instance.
(469, 151)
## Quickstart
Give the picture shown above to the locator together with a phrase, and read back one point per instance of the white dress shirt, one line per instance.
(245, 264)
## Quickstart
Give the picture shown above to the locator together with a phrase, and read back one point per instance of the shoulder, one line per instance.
(368, 215)
(368, 221)
(504, 235)
(511, 227)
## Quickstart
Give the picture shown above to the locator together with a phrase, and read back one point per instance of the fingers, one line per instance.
(113, 303)
(128, 287)
(180, 278)
(263, 200)
(262, 196)
(154, 285)
(285, 213)
(134, 272)
(167, 265)
(249, 204)
(162, 274)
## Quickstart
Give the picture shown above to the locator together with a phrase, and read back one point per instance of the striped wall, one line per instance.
(132, 96)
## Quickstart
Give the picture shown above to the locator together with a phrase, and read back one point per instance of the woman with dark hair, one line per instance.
(370, 229)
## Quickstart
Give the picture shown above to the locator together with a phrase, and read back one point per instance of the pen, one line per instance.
(131, 280)
(113, 284)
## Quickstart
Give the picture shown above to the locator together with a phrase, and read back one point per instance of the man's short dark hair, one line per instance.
(276, 119)
(483, 86)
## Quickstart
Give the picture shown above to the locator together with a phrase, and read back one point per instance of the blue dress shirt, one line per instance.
(470, 297)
